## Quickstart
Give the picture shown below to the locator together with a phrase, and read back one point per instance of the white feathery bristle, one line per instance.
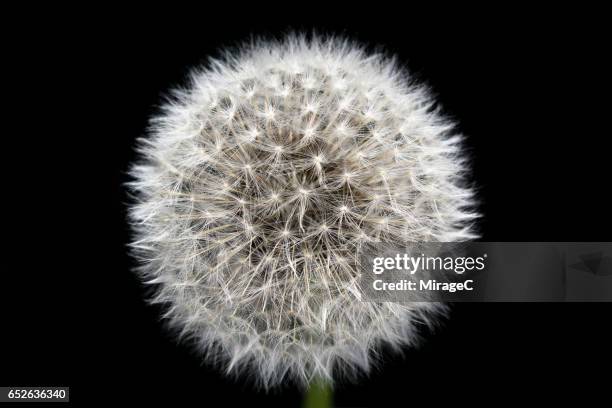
(260, 185)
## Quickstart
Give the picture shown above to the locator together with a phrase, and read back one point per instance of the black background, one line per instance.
(524, 86)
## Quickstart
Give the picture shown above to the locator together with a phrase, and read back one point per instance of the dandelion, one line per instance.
(260, 185)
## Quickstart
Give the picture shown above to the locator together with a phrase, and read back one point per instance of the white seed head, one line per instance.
(260, 185)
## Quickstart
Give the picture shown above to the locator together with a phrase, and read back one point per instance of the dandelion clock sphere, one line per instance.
(261, 183)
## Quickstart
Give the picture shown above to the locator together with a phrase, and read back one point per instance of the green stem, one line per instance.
(319, 395)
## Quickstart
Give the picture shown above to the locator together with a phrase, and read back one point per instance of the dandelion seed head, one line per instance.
(260, 184)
